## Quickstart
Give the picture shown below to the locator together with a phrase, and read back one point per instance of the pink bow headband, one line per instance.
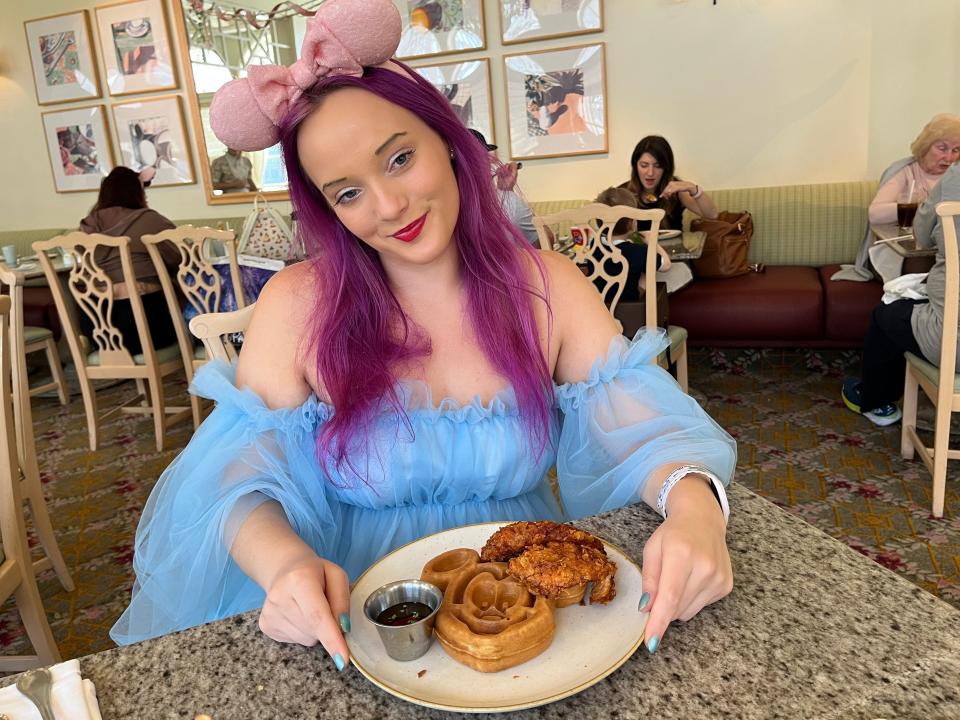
(341, 39)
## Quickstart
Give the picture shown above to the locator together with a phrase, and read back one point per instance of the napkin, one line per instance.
(72, 697)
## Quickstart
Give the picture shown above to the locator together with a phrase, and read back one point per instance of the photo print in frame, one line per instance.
(62, 59)
(135, 46)
(438, 27)
(79, 147)
(525, 20)
(152, 134)
(466, 84)
(556, 102)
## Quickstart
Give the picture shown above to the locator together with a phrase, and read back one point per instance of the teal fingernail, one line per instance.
(644, 601)
(652, 644)
(345, 622)
(338, 661)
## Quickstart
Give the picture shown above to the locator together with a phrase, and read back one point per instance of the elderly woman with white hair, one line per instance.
(936, 148)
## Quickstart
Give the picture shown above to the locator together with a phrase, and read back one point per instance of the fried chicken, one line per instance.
(511, 540)
(549, 569)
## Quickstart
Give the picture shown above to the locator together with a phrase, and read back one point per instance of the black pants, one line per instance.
(162, 332)
(888, 337)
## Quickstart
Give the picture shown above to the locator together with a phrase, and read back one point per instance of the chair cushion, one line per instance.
(163, 354)
(847, 305)
(677, 335)
(33, 334)
(930, 371)
(782, 303)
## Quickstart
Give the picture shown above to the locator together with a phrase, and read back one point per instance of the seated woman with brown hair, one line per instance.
(653, 182)
(121, 210)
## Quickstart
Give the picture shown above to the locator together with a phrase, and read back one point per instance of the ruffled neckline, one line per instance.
(217, 380)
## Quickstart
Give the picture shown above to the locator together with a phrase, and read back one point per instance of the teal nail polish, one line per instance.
(345, 622)
(338, 661)
(644, 601)
(652, 644)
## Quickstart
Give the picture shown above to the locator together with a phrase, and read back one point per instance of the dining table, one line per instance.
(812, 629)
(684, 245)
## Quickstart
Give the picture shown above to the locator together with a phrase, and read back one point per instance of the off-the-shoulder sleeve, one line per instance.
(626, 419)
(242, 455)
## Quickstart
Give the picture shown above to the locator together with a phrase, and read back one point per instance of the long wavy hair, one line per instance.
(662, 153)
(361, 337)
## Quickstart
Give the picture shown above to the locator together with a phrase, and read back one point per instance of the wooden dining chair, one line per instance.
(28, 469)
(595, 223)
(31, 338)
(16, 571)
(940, 384)
(91, 290)
(198, 281)
(214, 330)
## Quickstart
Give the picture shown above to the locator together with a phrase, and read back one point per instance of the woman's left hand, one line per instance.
(676, 186)
(686, 566)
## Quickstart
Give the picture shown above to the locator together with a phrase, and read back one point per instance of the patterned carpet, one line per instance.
(799, 447)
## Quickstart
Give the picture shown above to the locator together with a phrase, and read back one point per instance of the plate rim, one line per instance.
(396, 692)
(668, 234)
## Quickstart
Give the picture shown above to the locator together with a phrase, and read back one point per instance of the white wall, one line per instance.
(749, 92)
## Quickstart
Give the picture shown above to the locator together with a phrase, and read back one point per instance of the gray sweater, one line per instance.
(927, 318)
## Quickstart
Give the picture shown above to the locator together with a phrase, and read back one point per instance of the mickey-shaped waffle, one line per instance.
(488, 620)
(497, 609)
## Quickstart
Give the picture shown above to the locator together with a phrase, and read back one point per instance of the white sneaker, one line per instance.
(883, 416)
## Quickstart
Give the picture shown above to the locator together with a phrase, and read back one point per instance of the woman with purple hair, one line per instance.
(424, 370)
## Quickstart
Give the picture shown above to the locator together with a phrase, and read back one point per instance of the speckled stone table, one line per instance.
(812, 630)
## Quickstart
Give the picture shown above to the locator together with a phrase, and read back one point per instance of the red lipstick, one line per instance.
(412, 231)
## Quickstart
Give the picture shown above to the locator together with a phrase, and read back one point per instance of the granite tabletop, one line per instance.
(811, 630)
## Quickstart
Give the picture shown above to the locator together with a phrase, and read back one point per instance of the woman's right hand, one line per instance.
(308, 602)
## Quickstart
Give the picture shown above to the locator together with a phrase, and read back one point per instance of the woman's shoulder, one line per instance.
(290, 294)
(275, 357)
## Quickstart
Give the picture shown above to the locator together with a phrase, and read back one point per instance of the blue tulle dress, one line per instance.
(462, 464)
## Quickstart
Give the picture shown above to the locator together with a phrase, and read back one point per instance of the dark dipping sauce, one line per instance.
(405, 613)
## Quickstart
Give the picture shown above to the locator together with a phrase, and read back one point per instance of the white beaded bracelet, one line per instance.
(680, 473)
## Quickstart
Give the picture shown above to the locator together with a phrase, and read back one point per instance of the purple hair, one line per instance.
(361, 335)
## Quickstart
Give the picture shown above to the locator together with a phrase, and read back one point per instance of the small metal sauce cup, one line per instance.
(404, 642)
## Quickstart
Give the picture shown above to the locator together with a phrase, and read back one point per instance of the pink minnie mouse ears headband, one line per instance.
(341, 39)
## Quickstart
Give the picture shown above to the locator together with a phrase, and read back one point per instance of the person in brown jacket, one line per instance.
(121, 210)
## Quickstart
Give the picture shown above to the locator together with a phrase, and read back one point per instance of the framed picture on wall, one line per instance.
(438, 27)
(523, 20)
(556, 102)
(466, 84)
(135, 42)
(62, 58)
(79, 147)
(152, 133)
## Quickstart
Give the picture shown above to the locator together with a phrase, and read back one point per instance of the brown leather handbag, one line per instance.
(726, 245)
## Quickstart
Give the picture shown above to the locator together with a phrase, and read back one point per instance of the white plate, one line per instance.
(590, 642)
(669, 234)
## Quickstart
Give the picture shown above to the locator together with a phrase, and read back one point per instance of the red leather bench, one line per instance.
(784, 306)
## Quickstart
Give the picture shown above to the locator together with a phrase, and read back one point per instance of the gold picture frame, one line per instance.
(152, 133)
(557, 102)
(440, 27)
(521, 22)
(62, 59)
(473, 105)
(134, 38)
(78, 143)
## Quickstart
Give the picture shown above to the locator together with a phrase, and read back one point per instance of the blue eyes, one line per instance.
(397, 162)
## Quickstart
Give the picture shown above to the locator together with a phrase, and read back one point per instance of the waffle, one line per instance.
(488, 620)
